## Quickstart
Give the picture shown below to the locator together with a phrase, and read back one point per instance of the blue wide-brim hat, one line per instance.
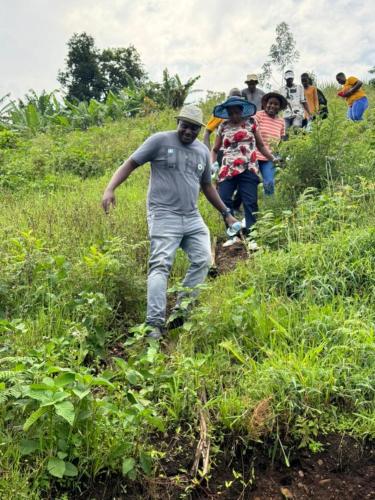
(248, 108)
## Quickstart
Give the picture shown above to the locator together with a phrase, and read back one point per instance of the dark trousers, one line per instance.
(247, 186)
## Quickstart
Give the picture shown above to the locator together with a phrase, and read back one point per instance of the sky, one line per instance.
(220, 40)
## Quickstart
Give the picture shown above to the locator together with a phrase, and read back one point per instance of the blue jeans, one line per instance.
(247, 186)
(356, 110)
(168, 232)
(267, 169)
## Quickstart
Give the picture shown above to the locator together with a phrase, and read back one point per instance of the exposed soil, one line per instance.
(345, 470)
(226, 258)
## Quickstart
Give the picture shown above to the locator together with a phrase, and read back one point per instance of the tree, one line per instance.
(282, 53)
(121, 67)
(82, 79)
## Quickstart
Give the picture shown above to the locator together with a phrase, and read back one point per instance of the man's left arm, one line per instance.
(213, 197)
(354, 88)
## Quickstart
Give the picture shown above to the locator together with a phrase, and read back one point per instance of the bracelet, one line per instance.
(226, 212)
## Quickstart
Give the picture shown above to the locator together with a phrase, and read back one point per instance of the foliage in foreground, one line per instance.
(282, 348)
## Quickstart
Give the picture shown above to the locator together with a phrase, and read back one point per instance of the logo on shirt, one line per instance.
(200, 167)
(170, 151)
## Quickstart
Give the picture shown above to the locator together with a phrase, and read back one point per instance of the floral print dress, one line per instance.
(239, 149)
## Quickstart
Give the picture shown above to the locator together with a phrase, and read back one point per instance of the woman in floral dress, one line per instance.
(239, 138)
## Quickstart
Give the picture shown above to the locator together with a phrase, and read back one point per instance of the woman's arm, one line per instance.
(216, 148)
(261, 146)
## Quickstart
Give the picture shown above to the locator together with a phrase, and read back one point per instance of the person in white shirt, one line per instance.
(297, 104)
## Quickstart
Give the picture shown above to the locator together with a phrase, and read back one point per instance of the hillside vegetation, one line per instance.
(276, 353)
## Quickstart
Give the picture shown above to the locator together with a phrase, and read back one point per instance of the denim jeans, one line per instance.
(356, 110)
(267, 169)
(247, 186)
(293, 121)
(168, 232)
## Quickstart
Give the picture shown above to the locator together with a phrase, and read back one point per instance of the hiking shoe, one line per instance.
(155, 333)
(253, 246)
(176, 319)
(231, 241)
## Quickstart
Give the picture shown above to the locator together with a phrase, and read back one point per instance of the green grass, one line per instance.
(283, 347)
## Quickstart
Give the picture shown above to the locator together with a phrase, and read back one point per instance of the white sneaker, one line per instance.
(253, 246)
(231, 241)
(243, 223)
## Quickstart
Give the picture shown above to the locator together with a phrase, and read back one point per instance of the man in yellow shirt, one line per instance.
(352, 91)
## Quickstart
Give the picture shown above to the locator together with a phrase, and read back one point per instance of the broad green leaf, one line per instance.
(64, 379)
(65, 409)
(34, 417)
(146, 462)
(128, 465)
(56, 467)
(81, 394)
(70, 470)
(61, 455)
(28, 446)
(134, 377)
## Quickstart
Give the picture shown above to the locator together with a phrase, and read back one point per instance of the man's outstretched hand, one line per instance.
(108, 200)
(230, 220)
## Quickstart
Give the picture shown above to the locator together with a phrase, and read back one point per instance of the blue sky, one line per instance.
(220, 40)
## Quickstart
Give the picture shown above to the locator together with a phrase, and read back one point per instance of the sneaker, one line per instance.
(231, 241)
(253, 246)
(243, 223)
(176, 319)
(155, 333)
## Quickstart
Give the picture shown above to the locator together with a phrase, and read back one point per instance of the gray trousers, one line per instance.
(168, 232)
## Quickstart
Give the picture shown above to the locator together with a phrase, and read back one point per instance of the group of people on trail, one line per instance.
(248, 129)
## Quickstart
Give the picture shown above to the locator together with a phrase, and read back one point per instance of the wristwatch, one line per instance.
(226, 212)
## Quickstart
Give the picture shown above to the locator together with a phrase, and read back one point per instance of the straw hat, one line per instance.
(252, 77)
(191, 114)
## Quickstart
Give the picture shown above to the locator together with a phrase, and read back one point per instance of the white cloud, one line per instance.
(220, 40)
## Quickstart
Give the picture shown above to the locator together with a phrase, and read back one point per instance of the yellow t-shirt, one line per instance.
(213, 123)
(350, 82)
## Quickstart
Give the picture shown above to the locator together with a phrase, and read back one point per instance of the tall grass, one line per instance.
(283, 347)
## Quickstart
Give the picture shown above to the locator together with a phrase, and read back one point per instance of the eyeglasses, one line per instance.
(192, 126)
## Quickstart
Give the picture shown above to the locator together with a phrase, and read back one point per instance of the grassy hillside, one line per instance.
(278, 352)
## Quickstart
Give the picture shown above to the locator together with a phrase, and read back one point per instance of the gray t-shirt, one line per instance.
(255, 97)
(177, 171)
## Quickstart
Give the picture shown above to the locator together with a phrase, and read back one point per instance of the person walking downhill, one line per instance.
(311, 96)
(213, 122)
(180, 166)
(272, 130)
(238, 136)
(251, 93)
(352, 91)
(297, 106)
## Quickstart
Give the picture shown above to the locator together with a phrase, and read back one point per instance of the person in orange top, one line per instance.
(352, 91)
(311, 96)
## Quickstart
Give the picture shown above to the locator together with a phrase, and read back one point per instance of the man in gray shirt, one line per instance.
(180, 167)
(252, 93)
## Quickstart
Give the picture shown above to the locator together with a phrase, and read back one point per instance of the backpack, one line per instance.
(322, 98)
(323, 104)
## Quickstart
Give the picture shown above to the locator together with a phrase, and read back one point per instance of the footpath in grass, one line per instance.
(275, 362)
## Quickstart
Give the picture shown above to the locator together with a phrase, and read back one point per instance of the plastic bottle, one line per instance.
(234, 229)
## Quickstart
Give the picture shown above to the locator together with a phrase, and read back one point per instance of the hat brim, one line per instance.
(189, 120)
(281, 99)
(248, 81)
(248, 108)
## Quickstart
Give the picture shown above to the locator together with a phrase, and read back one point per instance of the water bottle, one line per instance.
(234, 229)
(214, 169)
